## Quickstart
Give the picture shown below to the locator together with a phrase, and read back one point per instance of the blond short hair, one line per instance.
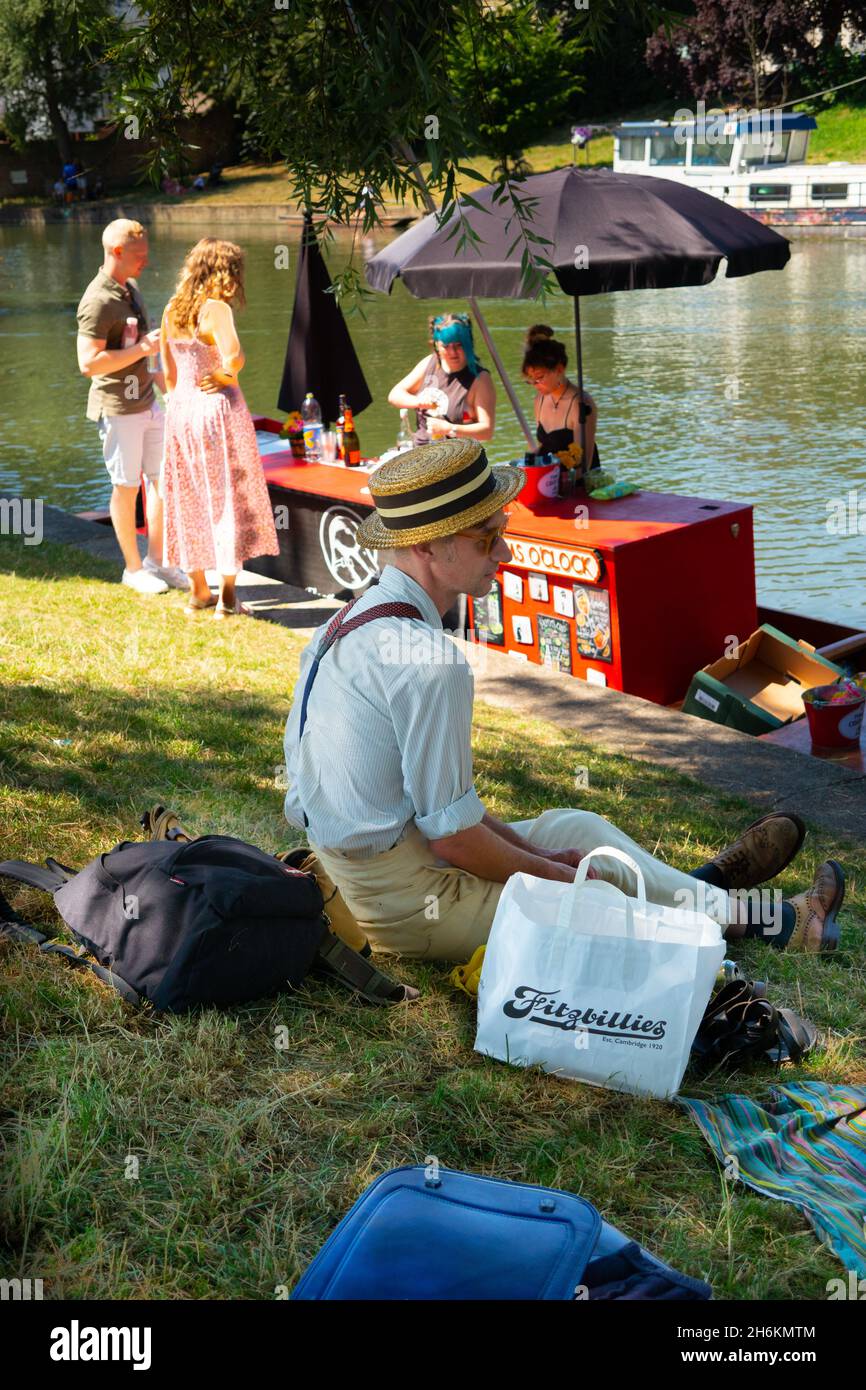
(120, 231)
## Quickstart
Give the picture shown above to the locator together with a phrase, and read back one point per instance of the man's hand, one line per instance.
(217, 381)
(572, 857)
(149, 342)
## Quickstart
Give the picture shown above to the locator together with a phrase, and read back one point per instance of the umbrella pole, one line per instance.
(500, 367)
(585, 462)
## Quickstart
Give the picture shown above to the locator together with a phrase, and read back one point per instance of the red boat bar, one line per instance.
(635, 594)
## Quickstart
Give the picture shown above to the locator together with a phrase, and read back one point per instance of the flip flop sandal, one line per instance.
(239, 610)
(197, 605)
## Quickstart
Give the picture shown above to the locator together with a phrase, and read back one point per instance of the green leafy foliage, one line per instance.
(523, 71)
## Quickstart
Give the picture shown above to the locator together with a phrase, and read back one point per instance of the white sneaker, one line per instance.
(170, 574)
(144, 582)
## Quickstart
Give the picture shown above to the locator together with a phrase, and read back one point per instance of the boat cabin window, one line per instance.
(715, 154)
(632, 147)
(666, 149)
(772, 150)
(822, 192)
(769, 192)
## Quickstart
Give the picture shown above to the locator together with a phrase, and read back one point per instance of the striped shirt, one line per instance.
(387, 737)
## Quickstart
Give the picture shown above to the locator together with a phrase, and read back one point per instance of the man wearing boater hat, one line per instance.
(379, 757)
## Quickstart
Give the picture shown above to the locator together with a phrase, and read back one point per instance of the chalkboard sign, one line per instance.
(554, 642)
(487, 617)
(592, 622)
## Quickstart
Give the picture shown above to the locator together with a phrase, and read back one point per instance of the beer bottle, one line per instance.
(342, 407)
(351, 451)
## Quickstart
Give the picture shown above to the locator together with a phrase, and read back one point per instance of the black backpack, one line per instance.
(212, 922)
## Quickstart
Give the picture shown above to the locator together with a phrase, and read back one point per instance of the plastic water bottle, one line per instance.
(311, 415)
(404, 434)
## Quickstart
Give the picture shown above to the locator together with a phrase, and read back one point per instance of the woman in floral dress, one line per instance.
(217, 510)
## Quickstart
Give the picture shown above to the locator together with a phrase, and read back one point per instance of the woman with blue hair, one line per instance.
(453, 395)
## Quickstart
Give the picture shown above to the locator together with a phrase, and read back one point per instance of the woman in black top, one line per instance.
(558, 411)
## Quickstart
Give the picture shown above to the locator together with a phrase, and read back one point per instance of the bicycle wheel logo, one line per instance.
(349, 563)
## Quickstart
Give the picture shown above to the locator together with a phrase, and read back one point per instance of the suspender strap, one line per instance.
(339, 625)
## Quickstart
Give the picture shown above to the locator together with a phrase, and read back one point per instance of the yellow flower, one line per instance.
(571, 457)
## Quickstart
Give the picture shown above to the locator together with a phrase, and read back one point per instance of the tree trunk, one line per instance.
(59, 128)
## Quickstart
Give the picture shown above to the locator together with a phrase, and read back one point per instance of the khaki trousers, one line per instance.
(407, 903)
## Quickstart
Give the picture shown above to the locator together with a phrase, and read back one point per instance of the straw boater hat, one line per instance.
(435, 490)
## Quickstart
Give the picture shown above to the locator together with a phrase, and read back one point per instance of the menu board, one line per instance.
(592, 623)
(487, 618)
(554, 642)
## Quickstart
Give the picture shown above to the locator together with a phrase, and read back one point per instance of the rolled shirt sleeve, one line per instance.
(432, 715)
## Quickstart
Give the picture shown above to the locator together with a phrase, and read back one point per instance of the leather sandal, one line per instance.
(741, 1025)
(162, 824)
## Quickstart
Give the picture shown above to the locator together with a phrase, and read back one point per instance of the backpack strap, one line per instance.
(338, 627)
(12, 925)
(50, 878)
(108, 977)
(354, 971)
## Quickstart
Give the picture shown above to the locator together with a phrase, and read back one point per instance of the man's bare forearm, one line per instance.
(483, 852)
(510, 836)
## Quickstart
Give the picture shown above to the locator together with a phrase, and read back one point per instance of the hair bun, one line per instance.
(538, 333)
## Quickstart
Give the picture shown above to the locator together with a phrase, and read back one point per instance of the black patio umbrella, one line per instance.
(320, 356)
(603, 232)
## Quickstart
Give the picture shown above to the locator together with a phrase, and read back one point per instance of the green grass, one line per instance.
(841, 134)
(189, 1157)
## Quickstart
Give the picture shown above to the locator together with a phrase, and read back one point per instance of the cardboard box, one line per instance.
(761, 686)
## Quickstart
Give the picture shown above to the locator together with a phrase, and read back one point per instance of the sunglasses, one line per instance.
(486, 539)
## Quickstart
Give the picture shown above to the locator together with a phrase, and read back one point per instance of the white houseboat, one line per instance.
(756, 161)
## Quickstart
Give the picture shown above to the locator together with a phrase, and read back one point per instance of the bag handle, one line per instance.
(567, 904)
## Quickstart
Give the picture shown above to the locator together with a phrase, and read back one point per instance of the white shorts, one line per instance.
(132, 445)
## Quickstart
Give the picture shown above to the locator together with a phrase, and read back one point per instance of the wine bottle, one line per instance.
(351, 452)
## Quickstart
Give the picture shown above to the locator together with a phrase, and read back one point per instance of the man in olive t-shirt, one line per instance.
(122, 399)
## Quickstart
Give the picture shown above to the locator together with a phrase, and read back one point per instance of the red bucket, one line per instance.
(542, 483)
(838, 724)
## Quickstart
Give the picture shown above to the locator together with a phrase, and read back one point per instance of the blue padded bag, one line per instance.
(422, 1235)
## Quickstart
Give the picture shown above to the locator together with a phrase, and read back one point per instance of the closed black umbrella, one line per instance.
(603, 232)
(320, 356)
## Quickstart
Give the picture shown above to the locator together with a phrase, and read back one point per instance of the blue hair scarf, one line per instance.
(459, 333)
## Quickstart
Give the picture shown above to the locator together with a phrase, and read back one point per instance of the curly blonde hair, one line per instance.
(213, 269)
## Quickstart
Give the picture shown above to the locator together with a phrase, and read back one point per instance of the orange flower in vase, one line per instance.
(293, 430)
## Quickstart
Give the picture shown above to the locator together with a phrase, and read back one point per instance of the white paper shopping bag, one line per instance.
(595, 985)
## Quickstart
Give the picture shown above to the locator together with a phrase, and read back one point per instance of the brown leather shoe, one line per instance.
(816, 927)
(762, 851)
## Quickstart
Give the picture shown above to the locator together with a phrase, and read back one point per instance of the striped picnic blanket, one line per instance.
(806, 1145)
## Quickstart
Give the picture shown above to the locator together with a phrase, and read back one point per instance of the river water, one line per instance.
(748, 390)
